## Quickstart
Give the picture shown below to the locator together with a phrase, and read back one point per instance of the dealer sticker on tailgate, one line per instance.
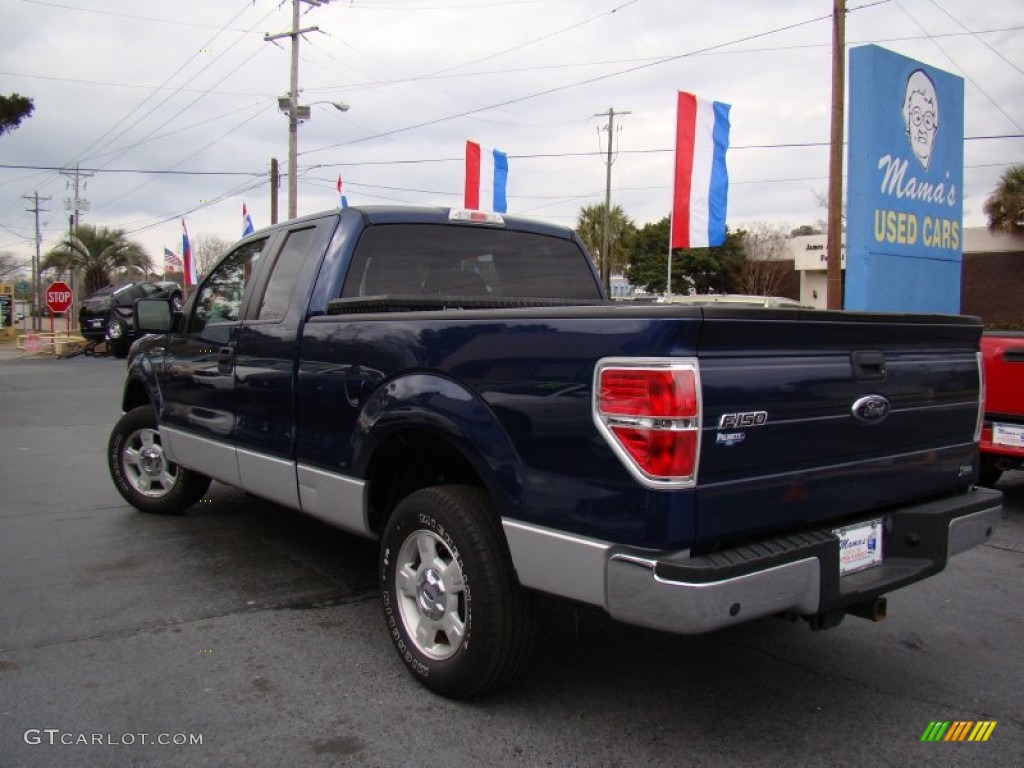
(860, 546)
(1008, 434)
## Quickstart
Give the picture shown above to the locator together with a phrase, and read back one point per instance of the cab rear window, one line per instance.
(428, 260)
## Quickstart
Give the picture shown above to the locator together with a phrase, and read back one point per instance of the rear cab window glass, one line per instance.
(428, 260)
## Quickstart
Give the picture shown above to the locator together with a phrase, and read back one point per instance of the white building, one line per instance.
(810, 259)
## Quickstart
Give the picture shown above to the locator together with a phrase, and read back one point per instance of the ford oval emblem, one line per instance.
(871, 409)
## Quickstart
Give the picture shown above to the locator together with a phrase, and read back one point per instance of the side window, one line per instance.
(281, 285)
(220, 297)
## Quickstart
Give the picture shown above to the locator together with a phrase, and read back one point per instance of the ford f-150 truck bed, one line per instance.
(457, 386)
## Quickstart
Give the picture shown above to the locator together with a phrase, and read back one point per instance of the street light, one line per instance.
(295, 112)
(298, 113)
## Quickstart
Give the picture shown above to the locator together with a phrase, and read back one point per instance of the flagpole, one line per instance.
(668, 283)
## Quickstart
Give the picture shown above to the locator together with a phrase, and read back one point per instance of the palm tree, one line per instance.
(1005, 206)
(621, 229)
(98, 252)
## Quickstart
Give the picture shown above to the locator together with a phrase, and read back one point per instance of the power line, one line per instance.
(534, 41)
(963, 72)
(607, 62)
(426, 161)
(108, 84)
(191, 104)
(135, 16)
(975, 36)
(187, 127)
(588, 81)
(189, 157)
(140, 105)
(132, 170)
(165, 218)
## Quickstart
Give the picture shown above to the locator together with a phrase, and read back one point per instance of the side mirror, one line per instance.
(153, 316)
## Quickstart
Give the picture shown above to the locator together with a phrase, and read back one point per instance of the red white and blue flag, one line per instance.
(247, 227)
(701, 187)
(189, 263)
(172, 263)
(486, 178)
(342, 200)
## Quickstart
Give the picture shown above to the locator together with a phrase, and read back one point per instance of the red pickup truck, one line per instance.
(1002, 439)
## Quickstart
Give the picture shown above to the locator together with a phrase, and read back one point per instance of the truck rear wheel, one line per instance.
(143, 474)
(453, 606)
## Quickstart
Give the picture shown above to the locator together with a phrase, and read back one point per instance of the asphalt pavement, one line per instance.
(244, 634)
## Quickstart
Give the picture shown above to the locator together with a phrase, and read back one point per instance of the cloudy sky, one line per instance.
(172, 107)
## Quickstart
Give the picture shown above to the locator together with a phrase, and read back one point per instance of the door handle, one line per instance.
(868, 365)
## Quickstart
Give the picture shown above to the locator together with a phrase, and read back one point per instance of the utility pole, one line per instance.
(294, 111)
(275, 184)
(37, 302)
(606, 265)
(835, 167)
(75, 204)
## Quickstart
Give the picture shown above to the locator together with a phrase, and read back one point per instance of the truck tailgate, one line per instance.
(821, 417)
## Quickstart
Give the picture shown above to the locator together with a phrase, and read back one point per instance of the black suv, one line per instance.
(107, 314)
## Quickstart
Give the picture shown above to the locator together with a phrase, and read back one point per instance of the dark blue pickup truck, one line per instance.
(456, 386)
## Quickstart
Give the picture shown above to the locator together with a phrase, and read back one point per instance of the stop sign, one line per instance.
(58, 297)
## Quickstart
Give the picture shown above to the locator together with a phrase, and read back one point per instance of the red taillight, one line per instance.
(649, 411)
(640, 392)
(661, 453)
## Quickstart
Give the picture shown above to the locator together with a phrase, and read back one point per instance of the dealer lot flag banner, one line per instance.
(247, 228)
(486, 178)
(342, 200)
(188, 262)
(701, 185)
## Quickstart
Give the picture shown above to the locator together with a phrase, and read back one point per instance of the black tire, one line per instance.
(989, 473)
(117, 337)
(141, 472)
(461, 625)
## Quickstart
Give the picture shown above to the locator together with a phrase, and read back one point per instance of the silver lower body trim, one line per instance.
(335, 499)
(558, 563)
(268, 477)
(209, 457)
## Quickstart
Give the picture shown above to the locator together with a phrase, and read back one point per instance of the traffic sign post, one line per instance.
(58, 300)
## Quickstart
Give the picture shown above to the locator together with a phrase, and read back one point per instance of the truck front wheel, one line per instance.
(453, 606)
(143, 474)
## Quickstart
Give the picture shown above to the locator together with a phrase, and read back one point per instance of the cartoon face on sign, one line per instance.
(921, 115)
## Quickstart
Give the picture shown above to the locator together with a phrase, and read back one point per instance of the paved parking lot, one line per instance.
(258, 633)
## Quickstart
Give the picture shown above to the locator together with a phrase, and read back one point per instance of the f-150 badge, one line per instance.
(748, 419)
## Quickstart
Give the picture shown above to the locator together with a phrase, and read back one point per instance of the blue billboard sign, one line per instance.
(905, 164)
